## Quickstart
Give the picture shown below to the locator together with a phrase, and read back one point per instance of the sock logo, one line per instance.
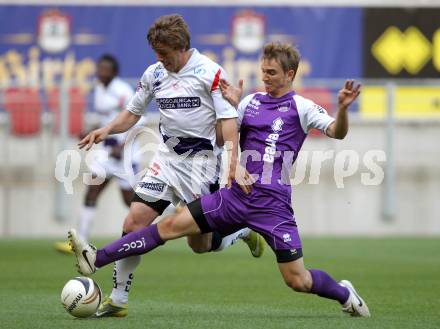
(128, 283)
(115, 280)
(133, 245)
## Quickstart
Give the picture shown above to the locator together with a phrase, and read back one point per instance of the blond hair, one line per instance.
(284, 54)
(171, 31)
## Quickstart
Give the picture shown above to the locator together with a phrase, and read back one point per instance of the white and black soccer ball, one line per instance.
(81, 297)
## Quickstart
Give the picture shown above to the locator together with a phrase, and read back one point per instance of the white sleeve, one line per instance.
(242, 108)
(223, 109)
(142, 97)
(312, 115)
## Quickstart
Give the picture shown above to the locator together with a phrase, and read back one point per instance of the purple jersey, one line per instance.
(272, 133)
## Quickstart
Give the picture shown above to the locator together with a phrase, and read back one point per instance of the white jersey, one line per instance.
(189, 101)
(110, 100)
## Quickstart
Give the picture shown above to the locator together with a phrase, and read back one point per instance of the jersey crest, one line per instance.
(277, 124)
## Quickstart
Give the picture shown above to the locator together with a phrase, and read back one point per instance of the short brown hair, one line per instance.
(285, 54)
(169, 30)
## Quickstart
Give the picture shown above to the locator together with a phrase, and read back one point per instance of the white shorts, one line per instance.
(108, 167)
(172, 179)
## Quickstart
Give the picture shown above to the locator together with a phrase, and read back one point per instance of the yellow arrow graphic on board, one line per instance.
(396, 50)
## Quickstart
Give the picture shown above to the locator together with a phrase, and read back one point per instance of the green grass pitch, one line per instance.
(174, 288)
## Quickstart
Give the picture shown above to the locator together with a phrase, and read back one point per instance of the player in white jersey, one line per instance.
(111, 95)
(184, 84)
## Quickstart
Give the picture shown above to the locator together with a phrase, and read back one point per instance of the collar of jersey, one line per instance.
(191, 62)
(269, 99)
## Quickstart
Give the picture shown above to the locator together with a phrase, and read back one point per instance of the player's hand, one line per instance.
(242, 177)
(231, 93)
(94, 137)
(348, 93)
(84, 133)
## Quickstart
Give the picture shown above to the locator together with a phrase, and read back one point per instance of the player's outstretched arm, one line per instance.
(124, 121)
(346, 96)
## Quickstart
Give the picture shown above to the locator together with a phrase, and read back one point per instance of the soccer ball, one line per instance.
(81, 297)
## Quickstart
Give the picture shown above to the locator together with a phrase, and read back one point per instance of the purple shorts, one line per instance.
(265, 211)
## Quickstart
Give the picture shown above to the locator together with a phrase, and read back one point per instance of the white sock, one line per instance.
(230, 239)
(85, 219)
(123, 278)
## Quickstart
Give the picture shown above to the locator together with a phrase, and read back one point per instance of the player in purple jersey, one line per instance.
(273, 127)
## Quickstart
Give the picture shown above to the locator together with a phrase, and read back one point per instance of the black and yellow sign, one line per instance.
(402, 43)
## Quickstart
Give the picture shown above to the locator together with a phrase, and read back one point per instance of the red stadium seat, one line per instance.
(24, 108)
(322, 97)
(77, 105)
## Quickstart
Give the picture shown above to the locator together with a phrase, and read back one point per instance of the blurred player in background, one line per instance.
(274, 126)
(111, 95)
(185, 85)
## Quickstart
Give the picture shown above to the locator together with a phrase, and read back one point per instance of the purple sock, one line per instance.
(134, 243)
(325, 286)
